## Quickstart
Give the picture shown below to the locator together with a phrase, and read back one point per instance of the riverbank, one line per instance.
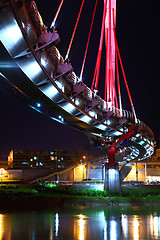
(41, 196)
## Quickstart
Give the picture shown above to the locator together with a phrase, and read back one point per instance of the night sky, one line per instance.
(138, 39)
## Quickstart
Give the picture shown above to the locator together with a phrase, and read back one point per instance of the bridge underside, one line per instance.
(38, 74)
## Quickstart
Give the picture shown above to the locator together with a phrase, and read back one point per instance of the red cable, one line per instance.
(109, 47)
(105, 93)
(100, 45)
(124, 76)
(118, 81)
(94, 77)
(88, 40)
(74, 30)
(55, 18)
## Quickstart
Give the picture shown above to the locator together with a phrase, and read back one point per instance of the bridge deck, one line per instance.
(42, 75)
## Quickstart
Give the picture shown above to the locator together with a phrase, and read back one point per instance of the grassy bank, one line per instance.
(71, 197)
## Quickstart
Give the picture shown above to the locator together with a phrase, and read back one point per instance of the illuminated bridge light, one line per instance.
(102, 127)
(138, 135)
(92, 114)
(43, 62)
(60, 86)
(61, 118)
(108, 122)
(117, 133)
(86, 119)
(31, 69)
(50, 91)
(38, 105)
(10, 35)
(68, 107)
(141, 143)
(77, 102)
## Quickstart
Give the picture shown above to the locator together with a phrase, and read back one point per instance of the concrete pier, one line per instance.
(112, 179)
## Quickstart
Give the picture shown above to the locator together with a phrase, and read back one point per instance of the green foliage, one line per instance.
(52, 190)
(49, 185)
(98, 193)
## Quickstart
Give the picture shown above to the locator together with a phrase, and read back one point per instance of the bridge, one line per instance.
(33, 70)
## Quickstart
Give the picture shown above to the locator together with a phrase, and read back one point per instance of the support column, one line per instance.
(112, 179)
(57, 177)
(87, 171)
(136, 172)
(73, 174)
(103, 173)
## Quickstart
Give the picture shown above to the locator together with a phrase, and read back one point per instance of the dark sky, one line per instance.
(138, 38)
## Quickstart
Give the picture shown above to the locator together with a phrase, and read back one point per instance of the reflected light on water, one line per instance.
(158, 226)
(113, 230)
(155, 219)
(136, 227)
(56, 224)
(105, 230)
(79, 227)
(1, 227)
(124, 221)
(154, 226)
(83, 224)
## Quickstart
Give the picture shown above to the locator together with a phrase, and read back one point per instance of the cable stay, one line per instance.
(124, 76)
(97, 68)
(73, 34)
(112, 56)
(117, 69)
(81, 74)
(125, 80)
(57, 13)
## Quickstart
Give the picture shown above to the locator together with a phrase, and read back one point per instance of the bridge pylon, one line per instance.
(112, 176)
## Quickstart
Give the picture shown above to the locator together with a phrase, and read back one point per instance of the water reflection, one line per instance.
(111, 223)
(135, 228)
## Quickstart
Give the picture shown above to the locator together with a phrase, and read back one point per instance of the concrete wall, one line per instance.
(141, 173)
(95, 174)
(153, 172)
(12, 174)
(31, 174)
(77, 174)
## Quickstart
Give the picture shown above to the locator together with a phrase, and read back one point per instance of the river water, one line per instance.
(82, 223)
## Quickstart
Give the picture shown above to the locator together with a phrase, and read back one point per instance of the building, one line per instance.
(39, 163)
(56, 159)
